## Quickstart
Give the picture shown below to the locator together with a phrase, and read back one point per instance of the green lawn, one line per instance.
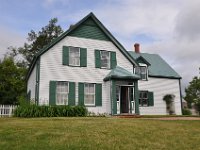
(98, 133)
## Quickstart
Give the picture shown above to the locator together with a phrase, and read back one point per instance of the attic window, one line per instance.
(142, 72)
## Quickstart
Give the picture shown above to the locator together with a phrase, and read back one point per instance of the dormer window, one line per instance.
(142, 71)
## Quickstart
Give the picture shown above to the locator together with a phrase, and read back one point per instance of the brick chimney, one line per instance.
(137, 47)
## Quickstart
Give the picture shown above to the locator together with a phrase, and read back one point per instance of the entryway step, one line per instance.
(127, 116)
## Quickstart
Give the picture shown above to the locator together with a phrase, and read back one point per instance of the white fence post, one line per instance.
(7, 110)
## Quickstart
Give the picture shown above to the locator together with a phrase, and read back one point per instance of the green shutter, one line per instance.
(71, 96)
(114, 98)
(65, 55)
(97, 59)
(113, 60)
(81, 93)
(98, 94)
(83, 57)
(151, 98)
(52, 93)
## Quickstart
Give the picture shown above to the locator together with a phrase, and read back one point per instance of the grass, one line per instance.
(97, 133)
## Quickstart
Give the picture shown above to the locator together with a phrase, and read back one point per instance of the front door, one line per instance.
(124, 99)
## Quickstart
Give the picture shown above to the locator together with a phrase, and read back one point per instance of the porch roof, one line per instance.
(121, 73)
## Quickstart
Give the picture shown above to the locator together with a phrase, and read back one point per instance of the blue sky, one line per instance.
(169, 28)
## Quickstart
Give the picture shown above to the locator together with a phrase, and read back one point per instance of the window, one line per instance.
(143, 98)
(89, 94)
(105, 59)
(74, 56)
(142, 72)
(62, 91)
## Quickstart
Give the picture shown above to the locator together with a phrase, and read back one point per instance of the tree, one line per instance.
(37, 41)
(12, 81)
(169, 98)
(193, 93)
(13, 68)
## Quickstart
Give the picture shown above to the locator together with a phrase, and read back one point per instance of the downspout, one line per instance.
(181, 96)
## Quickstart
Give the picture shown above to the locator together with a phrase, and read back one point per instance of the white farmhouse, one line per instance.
(87, 66)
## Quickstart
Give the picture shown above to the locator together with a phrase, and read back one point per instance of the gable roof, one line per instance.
(159, 67)
(141, 59)
(121, 73)
(71, 31)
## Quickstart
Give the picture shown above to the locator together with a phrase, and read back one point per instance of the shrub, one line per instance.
(186, 111)
(50, 111)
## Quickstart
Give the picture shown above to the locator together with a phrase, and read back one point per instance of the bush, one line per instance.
(186, 111)
(50, 111)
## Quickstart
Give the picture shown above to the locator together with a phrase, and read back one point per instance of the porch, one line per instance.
(124, 91)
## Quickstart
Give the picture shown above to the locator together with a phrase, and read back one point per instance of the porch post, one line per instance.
(113, 97)
(136, 93)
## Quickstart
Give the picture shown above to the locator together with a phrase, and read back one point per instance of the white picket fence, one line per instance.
(7, 110)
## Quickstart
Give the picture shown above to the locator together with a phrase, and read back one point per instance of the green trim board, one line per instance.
(136, 92)
(113, 98)
(181, 97)
(37, 83)
(159, 67)
(74, 27)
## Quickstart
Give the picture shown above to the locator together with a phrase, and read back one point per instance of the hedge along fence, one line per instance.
(50, 111)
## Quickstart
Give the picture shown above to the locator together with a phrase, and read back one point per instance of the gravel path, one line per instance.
(175, 118)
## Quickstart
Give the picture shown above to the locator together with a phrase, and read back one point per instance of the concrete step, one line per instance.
(126, 115)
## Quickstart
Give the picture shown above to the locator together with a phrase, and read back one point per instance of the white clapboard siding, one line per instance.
(31, 83)
(7, 110)
(161, 87)
(51, 67)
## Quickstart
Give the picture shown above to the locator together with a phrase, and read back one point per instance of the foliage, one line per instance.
(13, 69)
(186, 111)
(98, 133)
(169, 98)
(50, 111)
(37, 41)
(193, 93)
(12, 81)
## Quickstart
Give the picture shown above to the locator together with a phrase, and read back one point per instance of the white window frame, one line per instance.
(140, 72)
(65, 101)
(142, 98)
(71, 64)
(108, 67)
(89, 94)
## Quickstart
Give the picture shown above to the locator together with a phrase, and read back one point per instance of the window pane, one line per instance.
(74, 56)
(144, 102)
(144, 94)
(137, 70)
(89, 98)
(143, 70)
(62, 93)
(105, 59)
